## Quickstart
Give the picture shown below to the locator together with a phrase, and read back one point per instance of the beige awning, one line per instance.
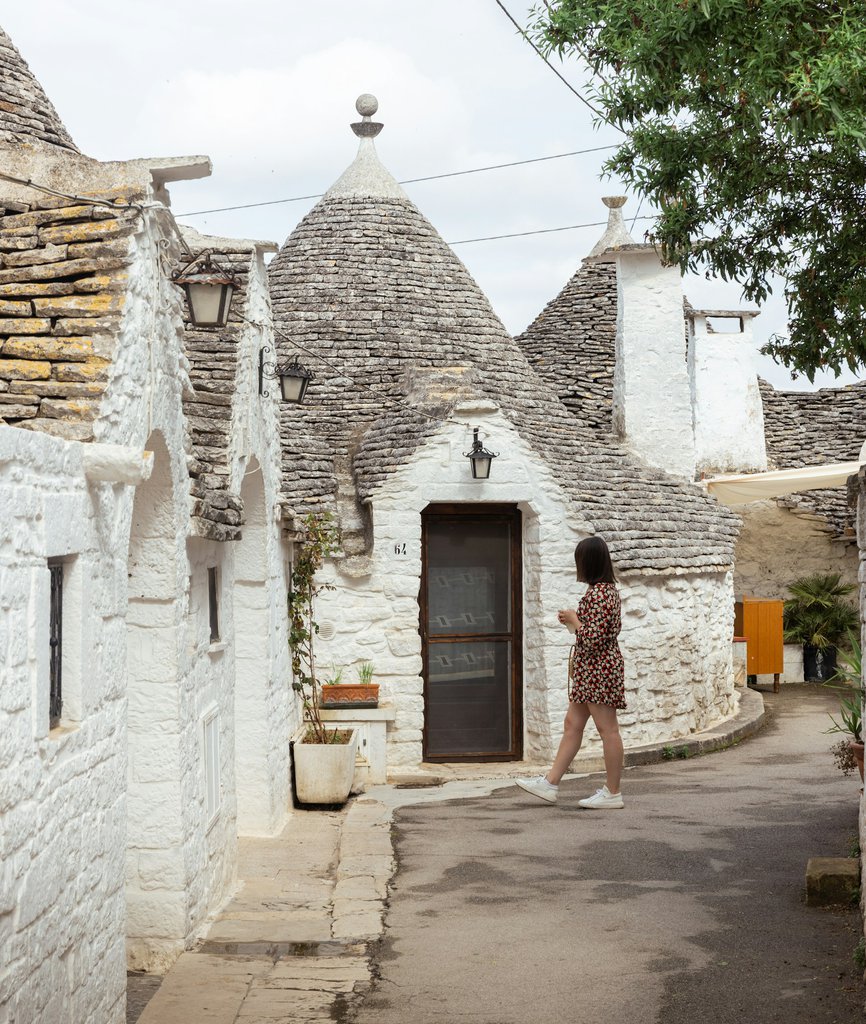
(739, 488)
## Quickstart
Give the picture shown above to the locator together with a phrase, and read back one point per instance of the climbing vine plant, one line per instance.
(321, 539)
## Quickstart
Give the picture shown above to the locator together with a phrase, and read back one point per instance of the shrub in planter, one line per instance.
(850, 721)
(324, 759)
(819, 616)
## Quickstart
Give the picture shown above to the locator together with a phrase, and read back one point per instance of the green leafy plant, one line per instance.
(854, 845)
(743, 126)
(365, 673)
(849, 679)
(320, 540)
(859, 955)
(668, 753)
(851, 670)
(818, 613)
(851, 717)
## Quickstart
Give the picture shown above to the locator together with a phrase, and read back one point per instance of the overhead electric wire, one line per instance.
(406, 181)
(544, 231)
(561, 77)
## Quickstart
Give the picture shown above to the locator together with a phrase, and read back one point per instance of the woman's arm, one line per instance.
(596, 626)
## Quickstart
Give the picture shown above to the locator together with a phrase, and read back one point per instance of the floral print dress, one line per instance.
(595, 668)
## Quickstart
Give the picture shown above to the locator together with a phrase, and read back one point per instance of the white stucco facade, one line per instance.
(676, 629)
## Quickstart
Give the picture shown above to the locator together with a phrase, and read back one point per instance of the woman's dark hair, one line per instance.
(592, 560)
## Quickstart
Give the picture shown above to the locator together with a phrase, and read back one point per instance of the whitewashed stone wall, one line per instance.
(266, 712)
(676, 630)
(776, 546)
(182, 858)
(728, 412)
(652, 402)
(62, 804)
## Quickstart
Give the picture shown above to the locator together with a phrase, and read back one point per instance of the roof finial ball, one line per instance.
(366, 105)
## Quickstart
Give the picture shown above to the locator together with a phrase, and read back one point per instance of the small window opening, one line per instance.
(55, 640)
(213, 604)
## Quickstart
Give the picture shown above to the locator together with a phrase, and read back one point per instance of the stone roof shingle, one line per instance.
(26, 113)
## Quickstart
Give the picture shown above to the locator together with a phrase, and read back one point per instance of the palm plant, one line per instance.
(818, 614)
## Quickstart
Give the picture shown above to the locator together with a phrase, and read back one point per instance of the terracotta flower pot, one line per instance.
(342, 695)
(857, 751)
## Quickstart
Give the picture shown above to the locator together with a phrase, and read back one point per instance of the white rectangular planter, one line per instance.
(324, 771)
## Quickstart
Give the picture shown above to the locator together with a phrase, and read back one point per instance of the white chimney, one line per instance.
(652, 404)
(728, 411)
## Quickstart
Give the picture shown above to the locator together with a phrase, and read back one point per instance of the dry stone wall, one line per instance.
(213, 356)
(776, 546)
(814, 427)
(62, 283)
(571, 344)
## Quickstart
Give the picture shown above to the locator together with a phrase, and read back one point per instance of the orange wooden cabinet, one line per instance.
(759, 620)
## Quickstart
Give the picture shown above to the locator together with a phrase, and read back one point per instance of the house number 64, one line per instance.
(400, 549)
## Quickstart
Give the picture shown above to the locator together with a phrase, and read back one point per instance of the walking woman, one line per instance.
(595, 674)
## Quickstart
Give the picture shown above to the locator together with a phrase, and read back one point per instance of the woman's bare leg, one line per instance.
(572, 736)
(608, 728)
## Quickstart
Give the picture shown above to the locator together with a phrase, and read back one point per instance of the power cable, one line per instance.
(405, 181)
(561, 77)
(543, 231)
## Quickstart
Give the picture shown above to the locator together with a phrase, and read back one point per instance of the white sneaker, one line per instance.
(602, 800)
(540, 787)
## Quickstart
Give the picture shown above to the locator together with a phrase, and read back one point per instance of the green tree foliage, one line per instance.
(744, 123)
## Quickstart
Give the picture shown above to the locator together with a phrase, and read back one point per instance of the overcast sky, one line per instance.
(266, 88)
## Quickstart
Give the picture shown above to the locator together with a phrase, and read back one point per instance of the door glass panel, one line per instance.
(469, 577)
(469, 697)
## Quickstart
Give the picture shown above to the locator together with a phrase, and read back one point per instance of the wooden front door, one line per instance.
(471, 627)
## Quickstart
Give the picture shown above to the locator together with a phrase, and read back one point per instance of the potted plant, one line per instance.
(324, 759)
(362, 694)
(849, 677)
(818, 616)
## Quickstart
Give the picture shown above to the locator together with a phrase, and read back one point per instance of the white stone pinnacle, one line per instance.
(616, 233)
(366, 176)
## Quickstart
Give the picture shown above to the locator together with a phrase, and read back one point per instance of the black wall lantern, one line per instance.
(480, 458)
(293, 378)
(209, 290)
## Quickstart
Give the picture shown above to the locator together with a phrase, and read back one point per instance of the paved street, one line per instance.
(686, 905)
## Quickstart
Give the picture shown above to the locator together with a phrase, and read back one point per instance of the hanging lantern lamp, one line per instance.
(209, 290)
(294, 378)
(480, 458)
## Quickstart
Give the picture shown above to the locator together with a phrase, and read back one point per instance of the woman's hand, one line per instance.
(568, 617)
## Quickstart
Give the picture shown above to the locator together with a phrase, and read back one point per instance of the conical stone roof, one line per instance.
(571, 344)
(26, 113)
(368, 285)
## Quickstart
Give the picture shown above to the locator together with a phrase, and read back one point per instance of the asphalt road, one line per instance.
(687, 905)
